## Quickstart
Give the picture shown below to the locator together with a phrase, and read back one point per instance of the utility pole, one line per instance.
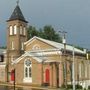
(73, 72)
(65, 63)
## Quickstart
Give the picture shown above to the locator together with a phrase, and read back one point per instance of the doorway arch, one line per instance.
(12, 75)
(47, 76)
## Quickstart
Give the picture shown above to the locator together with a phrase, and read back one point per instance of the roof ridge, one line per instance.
(56, 44)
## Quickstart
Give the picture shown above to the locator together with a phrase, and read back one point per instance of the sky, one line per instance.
(72, 16)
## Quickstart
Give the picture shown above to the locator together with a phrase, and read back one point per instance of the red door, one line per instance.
(12, 75)
(47, 76)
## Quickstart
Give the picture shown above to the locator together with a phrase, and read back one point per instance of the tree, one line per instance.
(50, 34)
(31, 32)
(47, 32)
(3, 47)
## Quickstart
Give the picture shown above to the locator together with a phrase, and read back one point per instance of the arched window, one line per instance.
(12, 75)
(21, 30)
(24, 32)
(27, 71)
(11, 30)
(36, 47)
(15, 29)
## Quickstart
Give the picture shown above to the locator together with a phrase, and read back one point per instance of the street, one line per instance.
(4, 87)
(12, 88)
(25, 88)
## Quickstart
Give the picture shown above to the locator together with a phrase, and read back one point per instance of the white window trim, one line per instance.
(11, 30)
(15, 29)
(24, 31)
(27, 79)
(36, 47)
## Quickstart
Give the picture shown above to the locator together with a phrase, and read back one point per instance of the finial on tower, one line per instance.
(17, 2)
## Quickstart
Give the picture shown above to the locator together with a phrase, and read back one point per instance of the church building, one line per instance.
(39, 61)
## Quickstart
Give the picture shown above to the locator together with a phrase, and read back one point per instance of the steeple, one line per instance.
(16, 36)
(17, 2)
(17, 14)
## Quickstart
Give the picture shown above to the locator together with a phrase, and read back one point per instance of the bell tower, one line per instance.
(16, 34)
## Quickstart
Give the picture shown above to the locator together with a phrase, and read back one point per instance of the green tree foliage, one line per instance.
(81, 48)
(50, 34)
(3, 47)
(31, 31)
(47, 32)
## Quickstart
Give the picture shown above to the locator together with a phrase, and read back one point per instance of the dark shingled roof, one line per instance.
(17, 15)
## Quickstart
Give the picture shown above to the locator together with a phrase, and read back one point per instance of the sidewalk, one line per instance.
(28, 87)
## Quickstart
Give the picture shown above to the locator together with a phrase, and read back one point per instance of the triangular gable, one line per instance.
(25, 55)
(48, 42)
(39, 56)
(54, 44)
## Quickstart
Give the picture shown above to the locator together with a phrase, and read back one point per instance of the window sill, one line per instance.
(27, 80)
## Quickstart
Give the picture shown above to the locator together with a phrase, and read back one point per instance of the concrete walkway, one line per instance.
(27, 87)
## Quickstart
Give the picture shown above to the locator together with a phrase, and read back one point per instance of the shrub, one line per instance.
(78, 86)
(63, 86)
(69, 86)
(88, 87)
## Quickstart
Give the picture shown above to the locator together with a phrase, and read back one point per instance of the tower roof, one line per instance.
(17, 15)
